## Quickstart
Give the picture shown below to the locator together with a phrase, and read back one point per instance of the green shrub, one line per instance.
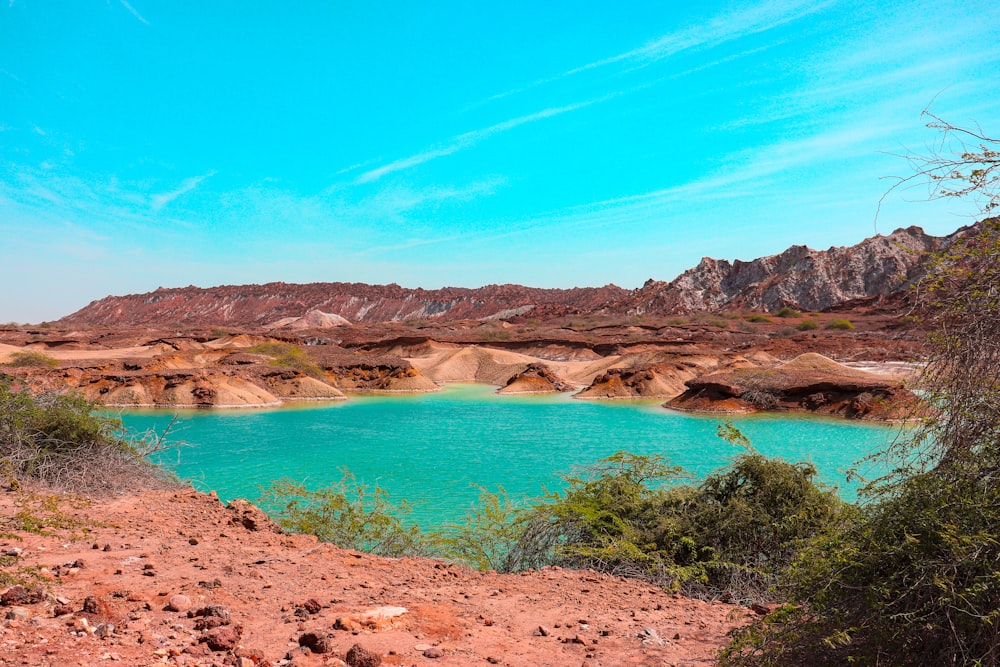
(31, 360)
(493, 536)
(757, 317)
(732, 534)
(349, 515)
(785, 311)
(287, 355)
(840, 325)
(807, 325)
(60, 440)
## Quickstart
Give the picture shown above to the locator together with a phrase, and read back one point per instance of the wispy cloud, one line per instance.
(469, 139)
(158, 201)
(709, 34)
(132, 10)
(716, 31)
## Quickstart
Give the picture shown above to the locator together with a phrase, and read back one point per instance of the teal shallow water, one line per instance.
(431, 448)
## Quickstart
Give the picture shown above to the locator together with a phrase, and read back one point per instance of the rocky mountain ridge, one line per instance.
(799, 277)
(282, 303)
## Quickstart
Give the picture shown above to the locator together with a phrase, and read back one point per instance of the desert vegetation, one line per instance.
(731, 535)
(60, 441)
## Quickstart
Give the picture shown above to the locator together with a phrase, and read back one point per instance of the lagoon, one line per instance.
(432, 449)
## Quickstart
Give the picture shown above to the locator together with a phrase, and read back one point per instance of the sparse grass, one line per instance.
(840, 325)
(44, 514)
(287, 355)
(31, 360)
(759, 318)
(788, 312)
(807, 325)
(12, 573)
(676, 321)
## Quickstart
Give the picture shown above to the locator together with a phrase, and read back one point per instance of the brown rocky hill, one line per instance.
(241, 305)
(799, 277)
(874, 270)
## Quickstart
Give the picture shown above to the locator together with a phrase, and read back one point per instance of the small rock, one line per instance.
(222, 638)
(434, 652)
(312, 606)
(179, 603)
(213, 610)
(422, 647)
(62, 610)
(358, 656)
(316, 642)
(197, 650)
(19, 595)
(91, 605)
(18, 614)
(542, 631)
(193, 541)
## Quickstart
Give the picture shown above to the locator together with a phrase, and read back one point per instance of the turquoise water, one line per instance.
(431, 448)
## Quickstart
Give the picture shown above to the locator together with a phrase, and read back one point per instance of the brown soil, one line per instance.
(111, 573)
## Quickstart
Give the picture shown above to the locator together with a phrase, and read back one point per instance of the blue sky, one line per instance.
(166, 143)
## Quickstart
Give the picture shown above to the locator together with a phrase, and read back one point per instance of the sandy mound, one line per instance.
(472, 364)
(302, 388)
(811, 362)
(314, 319)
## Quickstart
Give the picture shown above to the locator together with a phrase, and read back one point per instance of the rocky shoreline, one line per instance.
(175, 578)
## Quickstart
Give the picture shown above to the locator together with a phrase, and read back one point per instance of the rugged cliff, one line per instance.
(815, 280)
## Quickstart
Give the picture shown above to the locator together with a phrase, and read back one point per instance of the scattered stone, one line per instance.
(19, 595)
(312, 605)
(250, 516)
(213, 611)
(650, 637)
(422, 647)
(433, 653)
(62, 610)
(179, 603)
(18, 614)
(316, 642)
(209, 622)
(193, 541)
(213, 584)
(91, 605)
(198, 650)
(222, 638)
(542, 631)
(358, 656)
